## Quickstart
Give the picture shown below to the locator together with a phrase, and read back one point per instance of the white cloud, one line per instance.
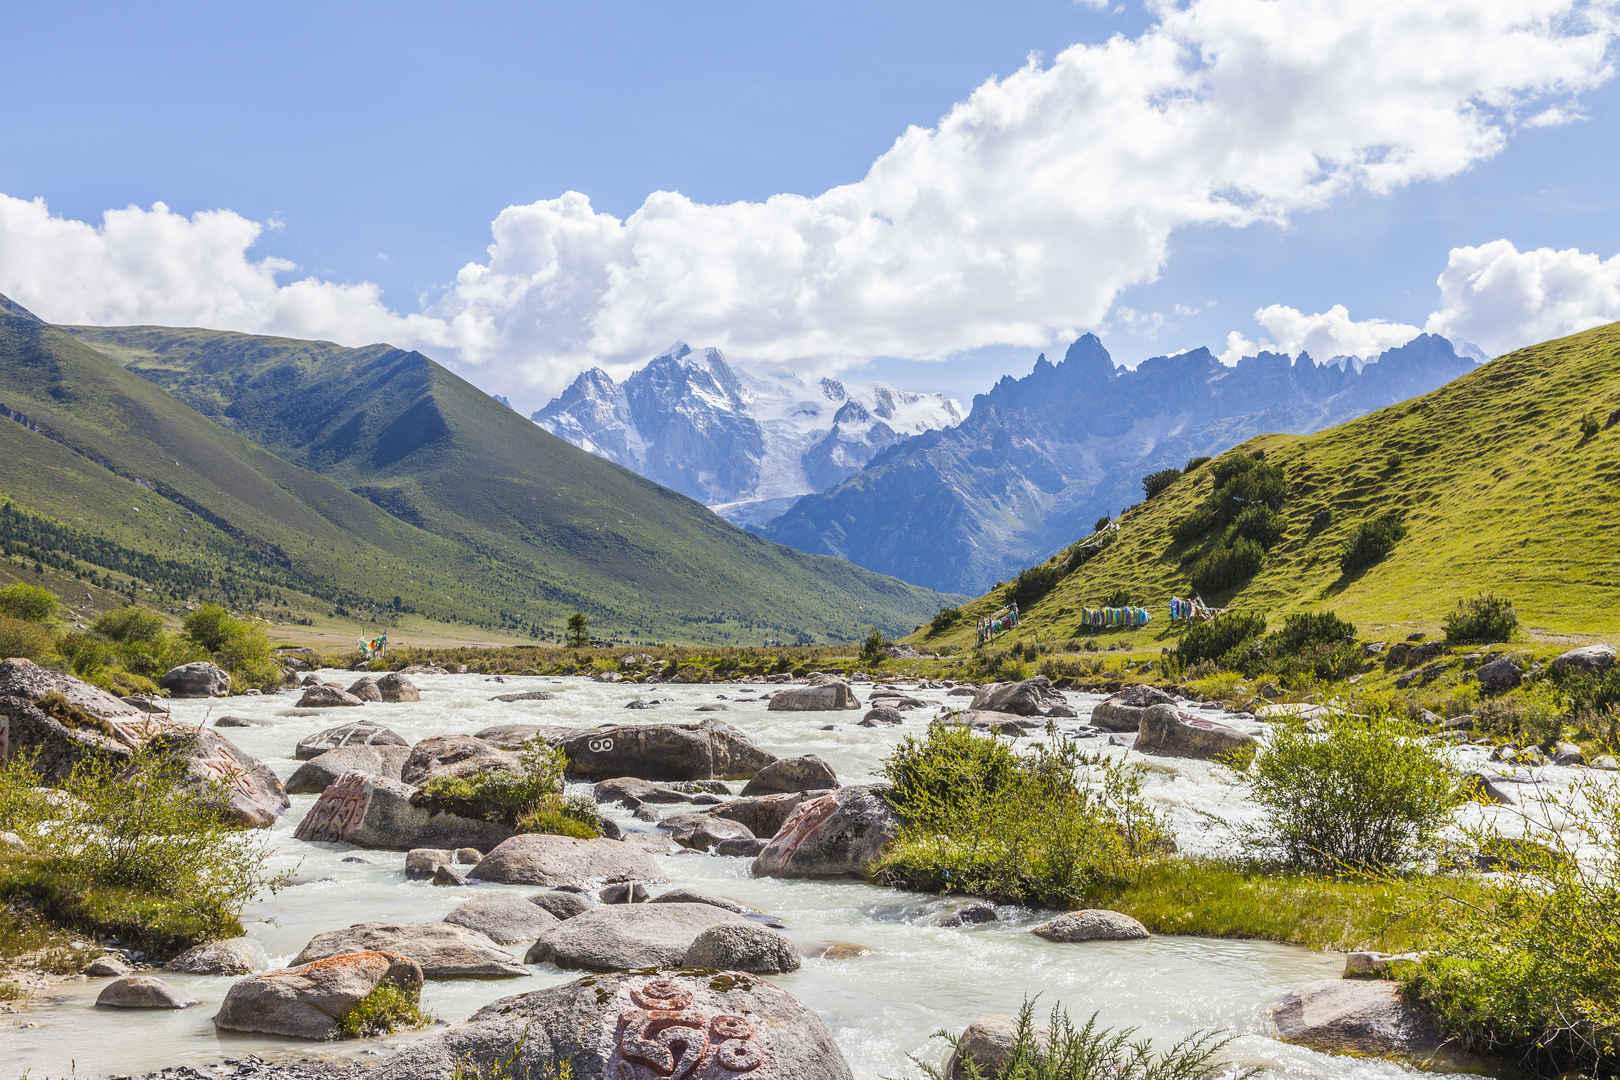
(1019, 216)
(1324, 335)
(1503, 298)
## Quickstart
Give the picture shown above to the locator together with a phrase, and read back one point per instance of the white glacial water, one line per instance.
(882, 1006)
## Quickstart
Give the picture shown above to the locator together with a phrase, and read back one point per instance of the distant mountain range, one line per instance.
(1040, 458)
(747, 444)
(302, 477)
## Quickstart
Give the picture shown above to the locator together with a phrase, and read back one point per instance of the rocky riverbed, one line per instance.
(881, 968)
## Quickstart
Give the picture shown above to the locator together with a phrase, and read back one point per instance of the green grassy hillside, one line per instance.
(361, 474)
(1506, 479)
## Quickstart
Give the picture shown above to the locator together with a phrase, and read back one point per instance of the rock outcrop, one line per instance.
(830, 696)
(317, 774)
(710, 750)
(308, 1002)
(1027, 697)
(1123, 712)
(198, 679)
(840, 834)
(369, 811)
(1171, 732)
(807, 773)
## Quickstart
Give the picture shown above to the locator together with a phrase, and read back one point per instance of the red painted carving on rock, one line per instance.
(341, 808)
(667, 1036)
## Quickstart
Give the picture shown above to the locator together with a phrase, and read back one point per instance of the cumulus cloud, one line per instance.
(1503, 298)
(1493, 297)
(1019, 216)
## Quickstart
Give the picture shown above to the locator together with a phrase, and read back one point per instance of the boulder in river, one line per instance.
(828, 696)
(503, 918)
(553, 861)
(359, 733)
(627, 937)
(882, 716)
(743, 947)
(1355, 1016)
(709, 750)
(1167, 730)
(198, 679)
(443, 949)
(61, 720)
(564, 905)
(323, 696)
(396, 688)
(316, 775)
(702, 832)
(1123, 711)
(632, 791)
(248, 791)
(238, 956)
(142, 992)
(1091, 924)
(455, 756)
(763, 814)
(370, 811)
(988, 1044)
(807, 773)
(365, 688)
(308, 1002)
(1027, 697)
(840, 834)
(635, 1025)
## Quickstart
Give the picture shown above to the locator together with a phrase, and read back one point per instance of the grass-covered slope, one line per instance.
(1499, 477)
(549, 528)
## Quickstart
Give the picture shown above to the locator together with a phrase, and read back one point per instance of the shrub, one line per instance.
(1306, 630)
(129, 624)
(1261, 524)
(943, 620)
(1363, 796)
(1155, 482)
(388, 1008)
(1048, 827)
(28, 602)
(20, 637)
(1203, 518)
(503, 796)
(1527, 717)
(1066, 1052)
(1214, 639)
(1193, 463)
(1371, 541)
(1227, 567)
(872, 648)
(564, 815)
(1532, 970)
(211, 626)
(1481, 621)
(1034, 583)
(1101, 523)
(1590, 425)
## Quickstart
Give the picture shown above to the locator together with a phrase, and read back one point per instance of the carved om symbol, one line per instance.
(679, 1045)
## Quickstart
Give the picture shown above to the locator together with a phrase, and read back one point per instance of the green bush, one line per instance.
(1034, 583)
(503, 796)
(1155, 482)
(20, 637)
(1050, 826)
(1203, 518)
(1527, 717)
(1365, 795)
(1227, 567)
(28, 602)
(1481, 621)
(211, 626)
(129, 624)
(1371, 541)
(1261, 524)
(872, 649)
(1215, 638)
(1193, 463)
(388, 1008)
(564, 815)
(1590, 425)
(1101, 523)
(1067, 1052)
(1532, 970)
(943, 620)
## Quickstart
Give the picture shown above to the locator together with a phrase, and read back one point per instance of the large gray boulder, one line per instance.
(455, 756)
(742, 947)
(1499, 675)
(322, 696)
(840, 834)
(238, 956)
(764, 814)
(444, 950)
(196, 679)
(142, 992)
(564, 905)
(553, 861)
(365, 688)
(514, 736)
(396, 688)
(1123, 712)
(635, 1026)
(91, 724)
(246, 790)
(807, 773)
(1586, 660)
(504, 919)
(1167, 730)
(1355, 1016)
(628, 937)
(316, 775)
(1091, 924)
(359, 733)
(308, 1002)
(829, 696)
(987, 1043)
(703, 832)
(370, 811)
(633, 791)
(1028, 697)
(710, 750)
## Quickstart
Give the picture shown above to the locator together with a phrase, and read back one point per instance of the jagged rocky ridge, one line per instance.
(1040, 458)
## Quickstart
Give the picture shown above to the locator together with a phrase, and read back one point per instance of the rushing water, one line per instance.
(882, 1005)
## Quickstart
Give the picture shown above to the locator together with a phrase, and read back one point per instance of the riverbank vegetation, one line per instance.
(527, 799)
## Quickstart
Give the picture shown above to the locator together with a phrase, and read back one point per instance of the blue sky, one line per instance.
(370, 143)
